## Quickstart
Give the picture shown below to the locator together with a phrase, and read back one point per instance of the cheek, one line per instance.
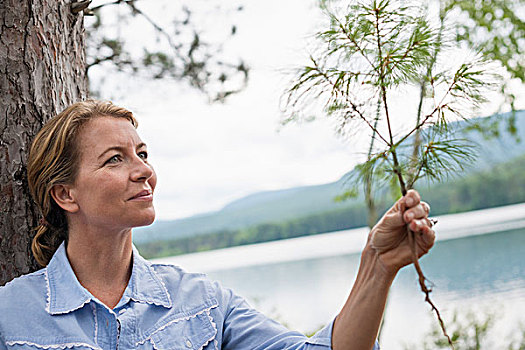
(107, 186)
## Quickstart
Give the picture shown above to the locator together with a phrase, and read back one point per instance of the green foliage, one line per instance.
(340, 219)
(448, 156)
(497, 30)
(373, 47)
(496, 27)
(179, 49)
(468, 332)
(501, 185)
(472, 331)
(351, 193)
(369, 50)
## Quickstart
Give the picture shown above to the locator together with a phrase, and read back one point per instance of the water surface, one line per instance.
(477, 272)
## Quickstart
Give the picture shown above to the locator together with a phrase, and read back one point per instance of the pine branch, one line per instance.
(354, 107)
(397, 46)
(396, 169)
(357, 45)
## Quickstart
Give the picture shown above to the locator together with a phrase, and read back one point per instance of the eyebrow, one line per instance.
(120, 148)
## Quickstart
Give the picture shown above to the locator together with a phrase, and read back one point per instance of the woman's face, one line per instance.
(114, 185)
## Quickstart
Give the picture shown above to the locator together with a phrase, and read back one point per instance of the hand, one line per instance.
(389, 237)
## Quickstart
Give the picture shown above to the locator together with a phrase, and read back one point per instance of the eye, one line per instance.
(143, 155)
(114, 160)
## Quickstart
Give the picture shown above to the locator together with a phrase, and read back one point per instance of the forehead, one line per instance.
(102, 132)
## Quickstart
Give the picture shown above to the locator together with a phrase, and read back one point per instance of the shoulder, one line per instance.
(175, 272)
(189, 288)
(25, 296)
(186, 288)
(32, 285)
(176, 277)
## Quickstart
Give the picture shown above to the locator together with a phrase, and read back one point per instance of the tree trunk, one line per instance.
(42, 70)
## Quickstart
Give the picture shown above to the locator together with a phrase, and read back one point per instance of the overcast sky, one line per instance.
(208, 155)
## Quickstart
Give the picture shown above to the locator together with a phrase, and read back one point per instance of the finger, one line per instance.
(418, 212)
(394, 215)
(418, 225)
(412, 198)
(426, 240)
(400, 205)
(426, 206)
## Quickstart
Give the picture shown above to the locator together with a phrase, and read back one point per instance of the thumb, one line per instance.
(394, 217)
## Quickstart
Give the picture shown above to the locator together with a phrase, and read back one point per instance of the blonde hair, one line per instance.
(53, 159)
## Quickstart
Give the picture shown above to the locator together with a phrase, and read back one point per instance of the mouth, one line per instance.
(143, 195)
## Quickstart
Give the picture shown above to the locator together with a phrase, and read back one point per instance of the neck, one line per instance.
(102, 261)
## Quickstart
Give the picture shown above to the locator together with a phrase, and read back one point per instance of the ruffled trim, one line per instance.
(71, 310)
(208, 313)
(21, 277)
(52, 346)
(165, 302)
(118, 332)
(153, 344)
(95, 335)
(186, 318)
(163, 286)
(48, 300)
(48, 296)
(147, 301)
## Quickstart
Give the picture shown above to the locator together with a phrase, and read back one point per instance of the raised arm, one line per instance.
(386, 252)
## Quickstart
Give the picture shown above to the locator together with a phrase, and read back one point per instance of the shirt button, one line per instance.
(188, 343)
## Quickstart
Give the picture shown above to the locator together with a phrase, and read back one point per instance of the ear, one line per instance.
(62, 194)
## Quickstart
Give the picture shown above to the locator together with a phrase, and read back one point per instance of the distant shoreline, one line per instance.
(451, 226)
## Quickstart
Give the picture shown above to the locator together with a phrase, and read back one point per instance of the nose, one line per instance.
(141, 171)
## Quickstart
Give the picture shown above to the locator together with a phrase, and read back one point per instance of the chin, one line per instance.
(146, 219)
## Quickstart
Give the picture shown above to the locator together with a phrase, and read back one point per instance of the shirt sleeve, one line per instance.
(246, 328)
(325, 335)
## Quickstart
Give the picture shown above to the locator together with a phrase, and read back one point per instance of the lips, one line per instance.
(146, 194)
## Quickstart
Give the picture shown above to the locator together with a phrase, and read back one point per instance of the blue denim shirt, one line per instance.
(163, 307)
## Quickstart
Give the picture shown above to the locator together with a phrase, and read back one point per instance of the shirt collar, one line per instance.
(145, 285)
(65, 294)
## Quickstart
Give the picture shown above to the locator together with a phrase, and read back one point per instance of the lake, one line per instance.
(477, 265)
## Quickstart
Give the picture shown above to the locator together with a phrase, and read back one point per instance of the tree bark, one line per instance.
(42, 70)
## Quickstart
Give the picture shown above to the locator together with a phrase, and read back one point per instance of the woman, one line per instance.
(88, 172)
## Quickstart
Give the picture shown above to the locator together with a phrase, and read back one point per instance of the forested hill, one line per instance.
(499, 185)
(300, 202)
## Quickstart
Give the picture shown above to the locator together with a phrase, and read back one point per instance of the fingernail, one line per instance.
(410, 216)
(409, 201)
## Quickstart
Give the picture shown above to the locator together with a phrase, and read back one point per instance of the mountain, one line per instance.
(287, 204)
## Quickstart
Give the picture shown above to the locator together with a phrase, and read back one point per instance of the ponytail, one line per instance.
(44, 244)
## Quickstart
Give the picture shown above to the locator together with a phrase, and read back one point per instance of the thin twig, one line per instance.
(424, 288)
(422, 93)
(352, 104)
(100, 60)
(397, 171)
(369, 198)
(418, 171)
(117, 2)
(157, 28)
(352, 40)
